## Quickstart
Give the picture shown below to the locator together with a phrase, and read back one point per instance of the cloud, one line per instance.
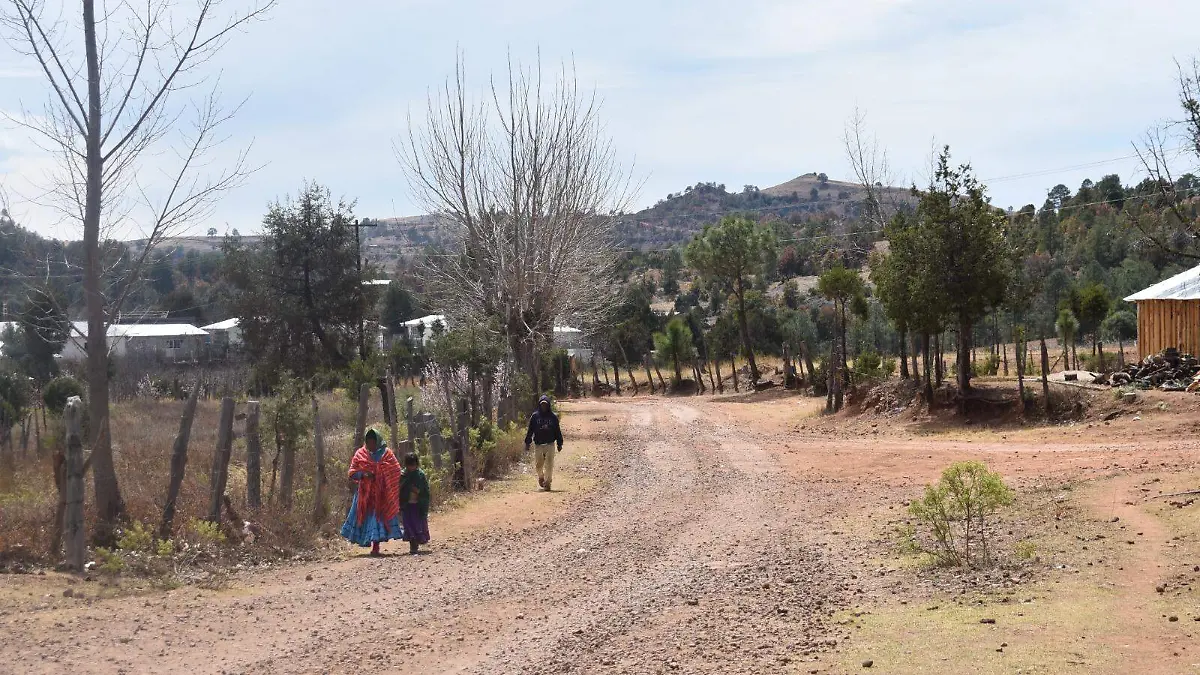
(756, 92)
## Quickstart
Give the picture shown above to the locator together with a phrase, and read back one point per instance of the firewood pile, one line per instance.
(1168, 371)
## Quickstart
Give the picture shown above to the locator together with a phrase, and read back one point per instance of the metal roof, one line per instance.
(1182, 286)
(222, 325)
(136, 330)
(426, 320)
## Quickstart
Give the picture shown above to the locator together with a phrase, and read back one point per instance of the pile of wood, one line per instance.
(1168, 371)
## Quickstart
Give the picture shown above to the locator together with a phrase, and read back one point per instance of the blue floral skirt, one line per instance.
(372, 529)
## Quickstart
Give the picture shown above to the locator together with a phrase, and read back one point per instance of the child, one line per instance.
(374, 515)
(414, 493)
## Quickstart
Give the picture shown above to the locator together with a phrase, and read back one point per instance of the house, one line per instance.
(1168, 314)
(420, 331)
(160, 341)
(224, 335)
(572, 340)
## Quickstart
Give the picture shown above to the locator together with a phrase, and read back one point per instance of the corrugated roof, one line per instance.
(426, 320)
(131, 330)
(1182, 286)
(222, 325)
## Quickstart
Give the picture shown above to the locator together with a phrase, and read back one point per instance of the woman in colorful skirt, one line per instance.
(375, 513)
(414, 511)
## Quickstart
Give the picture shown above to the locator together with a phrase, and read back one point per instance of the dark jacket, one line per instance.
(543, 428)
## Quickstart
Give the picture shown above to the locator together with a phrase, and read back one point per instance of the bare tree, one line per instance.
(869, 162)
(1166, 219)
(114, 74)
(529, 186)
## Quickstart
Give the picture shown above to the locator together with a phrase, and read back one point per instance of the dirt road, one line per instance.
(692, 554)
(711, 537)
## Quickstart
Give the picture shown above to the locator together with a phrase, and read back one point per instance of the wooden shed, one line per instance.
(1169, 314)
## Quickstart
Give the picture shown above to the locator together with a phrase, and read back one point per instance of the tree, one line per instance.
(527, 186)
(1067, 327)
(44, 333)
(733, 252)
(844, 288)
(212, 231)
(675, 345)
(1120, 326)
(399, 306)
(114, 81)
(968, 253)
(1094, 305)
(295, 289)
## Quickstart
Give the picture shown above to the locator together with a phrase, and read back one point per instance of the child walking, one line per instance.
(375, 514)
(414, 511)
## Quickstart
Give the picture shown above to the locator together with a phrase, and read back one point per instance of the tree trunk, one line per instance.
(253, 456)
(617, 377)
(1120, 363)
(965, 349)
(903, 352)
(632, 380)
(178, 462)
(678, 371)
(808, 362)
(1098, 346)
(929, 367)
(1045, 376)
(219, 475)
(595, 378)
(661, 382)
(1004, 354)
(845, 357)
(720, 380)
(319, 479)
(745, 329)
(1074, 355)
(109, 505)
(916, 349)
(649, 374)
(734, 375)
(1019, 357)
(711, 382)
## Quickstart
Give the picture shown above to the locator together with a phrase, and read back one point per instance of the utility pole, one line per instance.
(362, 295)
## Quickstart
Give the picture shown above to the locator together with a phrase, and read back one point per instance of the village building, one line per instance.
(1168, 315)
(174, 342)
(223, 337)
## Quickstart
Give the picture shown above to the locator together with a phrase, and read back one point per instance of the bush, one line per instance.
(957, 511)
(869, 366)
(136, 537)
(987, 366)
(60, 389)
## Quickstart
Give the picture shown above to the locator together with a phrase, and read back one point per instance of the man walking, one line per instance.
(544, 433)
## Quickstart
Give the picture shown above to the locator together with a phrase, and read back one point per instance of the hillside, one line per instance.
(681, 215)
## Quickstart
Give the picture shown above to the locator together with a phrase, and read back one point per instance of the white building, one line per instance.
(224, 334)
(420, 331)
(572, 340)
(167, 341)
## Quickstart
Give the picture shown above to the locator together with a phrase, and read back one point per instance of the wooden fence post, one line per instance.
(360, 426)
(220, 468)
(319, 479)
(73, 513)
(253, 456)
(408, 418)
(178, 462)
(437, 448)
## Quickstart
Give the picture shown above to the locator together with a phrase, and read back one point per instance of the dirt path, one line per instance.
(693, 556)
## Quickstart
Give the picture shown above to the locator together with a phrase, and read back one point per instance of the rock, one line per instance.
(68, 593)
(988, 621)
(1160, 588)
(308, 577)
(1172, 619)
(868, 663)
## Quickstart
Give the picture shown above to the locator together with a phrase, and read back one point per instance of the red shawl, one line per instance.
(381, 494)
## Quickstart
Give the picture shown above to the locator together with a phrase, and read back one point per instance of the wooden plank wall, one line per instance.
(1168, 323)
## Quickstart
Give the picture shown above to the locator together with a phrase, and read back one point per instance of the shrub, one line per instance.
(136, 537)
(109, 561)
(869, 366)
(987, 366)
(205, 533)
(60, 389)
(957, 510)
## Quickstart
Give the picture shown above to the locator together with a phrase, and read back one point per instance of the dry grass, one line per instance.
(143, 434)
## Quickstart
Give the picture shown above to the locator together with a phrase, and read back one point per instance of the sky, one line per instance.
(1031, 92)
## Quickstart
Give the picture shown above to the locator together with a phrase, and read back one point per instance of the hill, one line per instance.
(681, 215)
